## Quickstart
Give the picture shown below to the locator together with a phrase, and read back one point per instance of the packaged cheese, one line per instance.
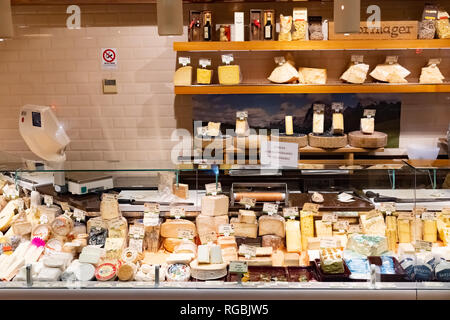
(300, 21)
(109, 207)
(117, 228)
(443, 25)
(285, 28)
(367, 245)
(331, 261)
(312, 76)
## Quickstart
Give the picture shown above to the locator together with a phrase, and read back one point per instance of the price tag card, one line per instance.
(248, 202)
(137, 231)
(312, 207)
(422, 245)
(391, 59)
(204, 62)
(428, 216)
(238, 267)
(329, 217)
(151, 219)
(79, 215)
(388, 207)
(184, 61)
(342, 225)
(270, 208)
(290, 212)
(328, 243)
(151, 207)
(242, 115)
(64, 206)
(177, 212)
(372, 214)
(227, 58)
(354, 228)
(109, 196)
(48, 200)
(247, 251)
(209, 237)
(226, 230)
(212, 189)
(357, 58)
(405, 216)
(417, 211)
(185, 234)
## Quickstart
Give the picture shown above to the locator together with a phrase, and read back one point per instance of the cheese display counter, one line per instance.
(377, 231)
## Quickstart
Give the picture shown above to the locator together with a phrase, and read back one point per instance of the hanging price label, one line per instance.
(270, 208)
(79, 215)
(342, 225)
(204, 62)
(227, 58)
(248, 202)
(177, 212)
(48, 200)
(212, 189)
(238, 267)
(312, 207)
(290, 212)
(109, 196)
(226, 229)
(329, 217)
(422, 245)
(137, 231)
(388, 207)
(417, 211)
(151, 219)
(186, 234)
(184, 61)
(151, 207)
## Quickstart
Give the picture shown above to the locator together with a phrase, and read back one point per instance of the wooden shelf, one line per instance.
(297, 88)
(311, 45)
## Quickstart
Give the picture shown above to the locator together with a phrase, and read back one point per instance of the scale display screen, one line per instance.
(36, 118)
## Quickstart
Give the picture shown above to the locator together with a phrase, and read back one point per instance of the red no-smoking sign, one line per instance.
(109, 58)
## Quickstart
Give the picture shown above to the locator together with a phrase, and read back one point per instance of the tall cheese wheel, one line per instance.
(327, 142)
(370, 141)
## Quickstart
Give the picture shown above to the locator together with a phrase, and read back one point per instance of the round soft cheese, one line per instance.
(178, 272)
(84, 272)
(105, 272)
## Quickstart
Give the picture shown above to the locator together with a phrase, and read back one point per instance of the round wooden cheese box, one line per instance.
(327, 142)
(370, 141)
(299, 138)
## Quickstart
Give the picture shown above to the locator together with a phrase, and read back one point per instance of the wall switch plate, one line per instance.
(109, 86)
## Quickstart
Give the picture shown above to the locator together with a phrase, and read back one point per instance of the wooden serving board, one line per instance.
(333, 142)
(369, 141)
(331, 202)
(390, 30)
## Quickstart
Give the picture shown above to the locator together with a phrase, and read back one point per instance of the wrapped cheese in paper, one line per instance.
(285, 28)
(443, 25)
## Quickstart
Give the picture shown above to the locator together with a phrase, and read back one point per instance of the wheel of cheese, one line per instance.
(253, 141)
(327, 142)
(219, 142)
(84, 272)
(53, 245)
(62, 225)
(300, 139)
(105, 272)
(41, 231)
(129, 255)
(369, 141)
(178, 272)
(125, 272)
(207, 271)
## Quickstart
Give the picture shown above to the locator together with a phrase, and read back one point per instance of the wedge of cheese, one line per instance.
(171, 227)
(204, 76)
(248, 230)
(367, 125)
(293, 237)
(431, 75)
(183, 76)
(285, 73)
(7, 214)
(394, 73)
(306, 228)
(312, 76)
(229, 75)
(356, 73)
(274, 224)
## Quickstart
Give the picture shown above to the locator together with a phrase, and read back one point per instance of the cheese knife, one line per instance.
(380, 198)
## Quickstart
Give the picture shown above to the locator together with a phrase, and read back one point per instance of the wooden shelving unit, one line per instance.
(297, 88)
(312, 45)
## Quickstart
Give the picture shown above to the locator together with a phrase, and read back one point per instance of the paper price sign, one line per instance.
(290, 212)
(388, 207)
(238, 267)
(151, 219)
(109, 196)
(64, 206)
(186, 234)
(204, 62)
(270, 208)
(354, 228)
(329, 217)
(184, 61)
(48, 200)
(247, 251)
(227, 58)
(177, 212)
(79, 214)
(328, 243)
(422, 245)
(405, 216)
(226, 229)
(151, 207)
(212, 189)
(210, 237)
(342, 225)
(312, 207)
(428, 216)
(248, 202)
(137, 232)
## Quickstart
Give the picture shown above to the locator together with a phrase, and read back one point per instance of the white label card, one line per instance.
(328, 243)
(227, 58)
(354, 228)
(391, 59)
(242, 115)
(210, 237)
(226, 229)
(79, 214)
(184, 61)
(137, 231)
(204, 62)
(248, 202)
(151, 219)
(186, 234)
(422, 245)
(405, 216)
(428, 216)
(151, 207)
(48, 200)
(329, 217)
(388, 207)
(177, 212)
(275, 154)
(248, 251)
(342, 225)
(290, 212)
(238, 267)
(270, 208)
(213, 189)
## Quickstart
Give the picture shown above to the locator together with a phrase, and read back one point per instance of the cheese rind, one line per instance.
(206, 225)
(171, 227)
(183, 76)
(208, 271)
(274, 224)
(247, 216)
(273, 241)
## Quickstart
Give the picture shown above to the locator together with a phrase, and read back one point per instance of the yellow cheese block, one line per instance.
(229, 75)
(171, 228)
(430, 230)
(204, 76)
(306, 228)
(318, 120)
(293, 237)
(323, 229)
(183, 76)
(7, 214)
(404, 231)
(312, 76)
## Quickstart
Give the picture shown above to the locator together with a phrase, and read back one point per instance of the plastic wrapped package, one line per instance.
(359, 267)
(285, 28)
(331, 261)
(443, 25)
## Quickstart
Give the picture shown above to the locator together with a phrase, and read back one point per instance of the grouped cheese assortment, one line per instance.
(108, 248)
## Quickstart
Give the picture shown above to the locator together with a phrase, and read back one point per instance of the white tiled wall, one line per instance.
(48, 64)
